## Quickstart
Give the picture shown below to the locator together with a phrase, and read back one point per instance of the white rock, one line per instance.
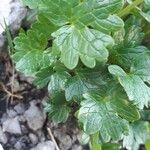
(11, 113)
(1, 147)
(35, 117)
(19, 145)
(3, 137)
(48, 145)
(19, 108)
(33, 138)
(12, 125)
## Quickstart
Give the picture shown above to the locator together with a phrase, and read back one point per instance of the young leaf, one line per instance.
(58, 113)
(139, 133)
(134, 86)
(141, 66)
(88, 44)
(76, 87)
(97, 115)
(57, 82)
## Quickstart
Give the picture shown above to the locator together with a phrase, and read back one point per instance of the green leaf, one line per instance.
(88, 44)
(44, 25)
(58, 113)
(134, 86)
(77, 86)
(57, 82)
(141, 66)
(31, 3)
(111, 24)
(139, 133)
(97, 114)
(43, 77)
(110, 146)
(31, 62)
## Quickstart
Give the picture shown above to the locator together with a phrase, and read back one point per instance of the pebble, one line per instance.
(19, 145)
(11, 113)
(48, 145)
(12, 125)
(1, 147)
(3, 137)
(20, 108)
(33, 138)
(35, 117)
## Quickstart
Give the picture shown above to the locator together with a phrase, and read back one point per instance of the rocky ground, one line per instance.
(23, 121)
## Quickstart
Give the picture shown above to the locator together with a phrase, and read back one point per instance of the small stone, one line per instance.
(12, 140)
(3, 137)
(65, 140)
(24, 129)
(19, 108)
(33, 138)
(4, 117)
(22, 118)
(1, 147)
(12, 125)
(35, 117)
(48, 145)
(19, 145)
(41, 135)
(77, 147)
(11, 113)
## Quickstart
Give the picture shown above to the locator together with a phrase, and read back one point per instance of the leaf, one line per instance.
(57, 82)
(31, 3)
(125, 109)
(97, 114)
(43, 77)
(88, 44)
(111, 24)
(77, 86)
(110, 146)
(32, 62)
(141, 66)
(134, 86)
(30, 54)
(58, 113)
(44, 25)
(139, 133)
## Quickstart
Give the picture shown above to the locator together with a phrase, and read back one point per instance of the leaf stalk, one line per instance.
(129, 8)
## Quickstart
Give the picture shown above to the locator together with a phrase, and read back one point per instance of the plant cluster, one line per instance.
(92, 54)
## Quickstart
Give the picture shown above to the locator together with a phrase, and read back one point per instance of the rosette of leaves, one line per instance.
(90, 54)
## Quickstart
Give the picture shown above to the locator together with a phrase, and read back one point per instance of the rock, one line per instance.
(77, 147)
(33, 138)
(11, 113)
(3, 137)
(22, 118)
(17, 14)
(20, 108)
(4, 117)
(12, 125)
(19, 145)
(24, 129)
(41, 135)
(35, 117)
(1, 147)
(66, 141)
(2, 42)
(48, 145)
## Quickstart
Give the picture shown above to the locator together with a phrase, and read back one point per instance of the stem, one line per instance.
(128, 9)
(95, 145)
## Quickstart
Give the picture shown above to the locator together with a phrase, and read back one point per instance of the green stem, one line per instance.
(128, 9)
(95, 145)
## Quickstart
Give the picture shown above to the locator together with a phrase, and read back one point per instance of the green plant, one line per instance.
(93, 54)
